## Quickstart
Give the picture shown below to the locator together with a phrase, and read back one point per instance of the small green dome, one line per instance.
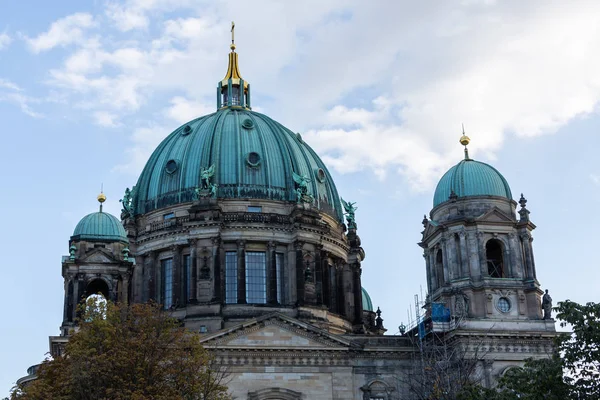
(471, 178)
(366, 300)
(253, 156)
(100, 226)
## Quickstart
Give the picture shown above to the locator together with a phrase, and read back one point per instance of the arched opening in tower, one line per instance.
(495, 261)
(97, 286)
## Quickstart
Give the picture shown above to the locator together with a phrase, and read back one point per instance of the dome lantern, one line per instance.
(232, 90)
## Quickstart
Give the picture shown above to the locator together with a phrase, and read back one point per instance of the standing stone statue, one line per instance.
(547, 305)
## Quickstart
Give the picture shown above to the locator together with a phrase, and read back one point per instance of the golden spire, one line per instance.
(232, 36)
(233, 69)
(465, 140)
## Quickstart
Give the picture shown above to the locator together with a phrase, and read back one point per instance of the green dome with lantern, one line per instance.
(234, 153)
(100, 227)
(470, 178)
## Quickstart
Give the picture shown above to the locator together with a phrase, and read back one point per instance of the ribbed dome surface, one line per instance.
(254, 157)
(366, 301)
(100, 226)
(471, 178)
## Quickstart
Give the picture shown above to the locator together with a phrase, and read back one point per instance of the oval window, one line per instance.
(247, 123)
(503, 304)
(171, 166)
(320, 175)
(186, 130)
(253, 159)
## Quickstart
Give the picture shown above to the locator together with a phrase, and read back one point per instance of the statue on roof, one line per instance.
(302, 195)
(350, 210)
(547, 305)
(207, 188)
(127, 201)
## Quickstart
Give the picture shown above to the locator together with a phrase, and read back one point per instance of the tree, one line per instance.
(573, 370)
(136, 352)
(580, 351)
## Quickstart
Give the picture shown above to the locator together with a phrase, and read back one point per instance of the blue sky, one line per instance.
(379, 89)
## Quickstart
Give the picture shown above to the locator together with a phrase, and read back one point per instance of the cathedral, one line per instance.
(236, 227)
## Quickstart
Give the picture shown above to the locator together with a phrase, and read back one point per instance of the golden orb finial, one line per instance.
(464, 139)
(101, 198)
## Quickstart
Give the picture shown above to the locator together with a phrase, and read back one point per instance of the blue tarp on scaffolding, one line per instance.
(439, 313)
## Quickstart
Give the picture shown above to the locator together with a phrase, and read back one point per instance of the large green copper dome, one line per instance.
(100, 226)
(254, 157)
(471, 178)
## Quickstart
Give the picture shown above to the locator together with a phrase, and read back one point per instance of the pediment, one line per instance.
(495, 215)
(275, 331)
(98, 256)
(431, 228)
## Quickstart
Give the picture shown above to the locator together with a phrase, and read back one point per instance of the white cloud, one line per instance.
(144, 141)
(6, 84)
(595, 179)
(106, 119)
(22, 101)
(183, 110)
(5, 41)
(67, 30)
(498, 67)
(125, 18)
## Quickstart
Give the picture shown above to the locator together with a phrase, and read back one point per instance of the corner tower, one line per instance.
(98, 263)
(478, 254)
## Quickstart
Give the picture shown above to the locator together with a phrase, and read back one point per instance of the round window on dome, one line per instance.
(503, 304)
(247, 123)
(320, 174)
(253, 159)
(171, 166)
(186, 130)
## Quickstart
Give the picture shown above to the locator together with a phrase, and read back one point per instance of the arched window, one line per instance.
(495, 260)
(97, 286)
(439, 268)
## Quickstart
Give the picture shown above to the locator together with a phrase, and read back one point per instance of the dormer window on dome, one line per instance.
(233, 91)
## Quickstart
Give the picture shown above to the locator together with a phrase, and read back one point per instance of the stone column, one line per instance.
(137, 280)
(432, 264)
(341, 292)
(357, 293)
(76, 296)
(290, 290)
(326, 285)
(67, 314)
(217, 267)
(526, 244)
(299, 273)
(152, 276)
(464, 256)
(194, 271)
(241, 253)
(515, 256)
(178, 299)
(428, 270)
(318, 275)
(348, 277)
(271, 273)
(446, 259)
(125, 289)
(482, 255)
(473, 251)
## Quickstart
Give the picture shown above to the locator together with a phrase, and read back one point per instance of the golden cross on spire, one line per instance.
(232, 36)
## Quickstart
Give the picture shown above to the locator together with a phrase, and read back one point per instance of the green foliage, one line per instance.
(581, 351)
(135, 352)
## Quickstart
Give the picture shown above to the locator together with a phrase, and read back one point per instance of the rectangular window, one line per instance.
(231, 277)
(167, 274)
(279, 271)
(187, 270)
(168, 216)
(255, 209)
(256, 277)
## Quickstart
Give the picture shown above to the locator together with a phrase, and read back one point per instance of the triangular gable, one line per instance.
(275, 331)
(495, 215)
(98, 256)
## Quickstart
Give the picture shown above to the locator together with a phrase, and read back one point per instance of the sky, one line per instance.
(379, 89)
